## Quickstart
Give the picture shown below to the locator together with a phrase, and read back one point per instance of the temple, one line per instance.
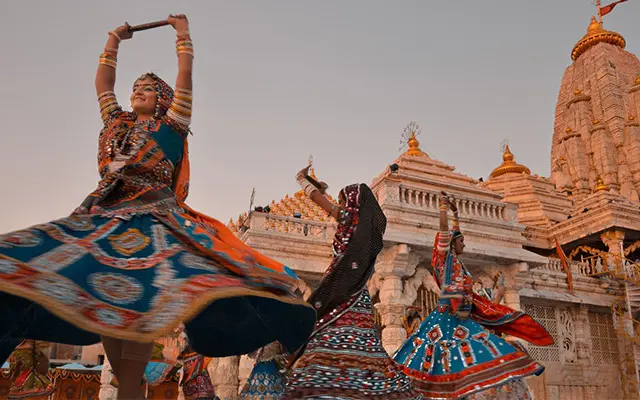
(515, 222)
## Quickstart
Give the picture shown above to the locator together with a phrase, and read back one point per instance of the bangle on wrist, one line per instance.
(115, 35)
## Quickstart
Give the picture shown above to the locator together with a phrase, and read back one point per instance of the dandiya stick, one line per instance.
(150, 25)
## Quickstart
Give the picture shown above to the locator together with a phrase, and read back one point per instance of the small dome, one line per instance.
(509, 166)
(596, 34)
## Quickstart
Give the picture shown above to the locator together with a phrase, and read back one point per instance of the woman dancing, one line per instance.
(134, 260)
(451, 355)
(344, 358)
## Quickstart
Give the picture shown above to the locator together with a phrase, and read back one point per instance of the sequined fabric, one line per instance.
(345, 360)
(265, 382)
(451, 356)
(134, 260)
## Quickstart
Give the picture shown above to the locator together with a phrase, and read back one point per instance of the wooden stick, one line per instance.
(150, 25)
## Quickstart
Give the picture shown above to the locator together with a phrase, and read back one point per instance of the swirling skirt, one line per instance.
(450, 358)
(344, 359)
(137, 277)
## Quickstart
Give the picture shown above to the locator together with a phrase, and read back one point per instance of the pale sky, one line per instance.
(277, 80)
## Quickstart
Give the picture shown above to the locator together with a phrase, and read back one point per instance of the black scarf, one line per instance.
(357, 243)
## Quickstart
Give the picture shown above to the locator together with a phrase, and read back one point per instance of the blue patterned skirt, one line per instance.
(136, 278)
(265, 382)
(450, 358)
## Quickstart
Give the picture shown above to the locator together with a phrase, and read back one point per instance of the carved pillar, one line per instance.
(394, 264)
(511, 293)
(107, 391)
(614, 241)
(628, 363)
(582, 334)
(393, 333)
(226, 378)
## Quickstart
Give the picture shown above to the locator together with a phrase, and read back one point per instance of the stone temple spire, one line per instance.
(596, 139)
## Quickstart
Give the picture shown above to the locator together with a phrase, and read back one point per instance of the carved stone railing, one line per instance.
(576, 267)
(472, 208)
(291, 226)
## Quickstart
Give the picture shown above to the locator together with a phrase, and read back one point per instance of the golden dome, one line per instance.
(414, 146)
(596, 34)
(600, 186)
(509, 166)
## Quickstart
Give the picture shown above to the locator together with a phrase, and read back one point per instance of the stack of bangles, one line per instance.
(180, 109)
(110, 56)
(305, 184)
(184, 46)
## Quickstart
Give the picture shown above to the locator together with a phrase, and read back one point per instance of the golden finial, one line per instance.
(596, 34)
(312, 173)
(509, 166)
(577, 92)
(631, 117)
(596, 121)
(568, 130)
(410, 141)
(600, 186)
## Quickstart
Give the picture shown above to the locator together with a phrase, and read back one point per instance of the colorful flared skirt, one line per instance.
(344, 359)
(265, 382)
(450, 358)
(137, 277)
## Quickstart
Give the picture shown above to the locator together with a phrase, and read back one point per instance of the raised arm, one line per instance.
(106, 74)
(180, 110)
(316, 193)
(444, 236)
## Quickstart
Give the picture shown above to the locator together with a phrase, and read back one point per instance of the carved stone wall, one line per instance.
(584, 361)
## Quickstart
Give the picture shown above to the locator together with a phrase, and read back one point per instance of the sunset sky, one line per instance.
(277, 80)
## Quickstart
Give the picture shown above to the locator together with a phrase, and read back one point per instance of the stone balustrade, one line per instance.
(471, 208)
(291, 226)
(586, 268)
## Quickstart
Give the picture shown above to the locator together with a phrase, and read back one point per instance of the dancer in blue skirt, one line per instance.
(452, 355)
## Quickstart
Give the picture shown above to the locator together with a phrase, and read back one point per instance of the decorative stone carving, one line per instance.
(566, 331)
(394, 264)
